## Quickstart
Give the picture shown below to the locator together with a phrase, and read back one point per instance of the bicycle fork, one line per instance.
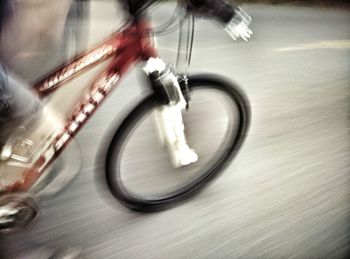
(168, 115)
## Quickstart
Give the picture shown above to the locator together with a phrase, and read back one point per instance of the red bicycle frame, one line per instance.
(133, 44)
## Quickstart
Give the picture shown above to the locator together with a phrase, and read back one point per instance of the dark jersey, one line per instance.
(5, 11)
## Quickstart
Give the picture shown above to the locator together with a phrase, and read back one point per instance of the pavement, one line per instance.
(286, 195)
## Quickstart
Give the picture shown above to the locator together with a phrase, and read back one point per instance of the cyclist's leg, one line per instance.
(17, 104)
(20, 107)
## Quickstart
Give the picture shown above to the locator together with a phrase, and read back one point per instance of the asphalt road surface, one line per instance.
(286, 195)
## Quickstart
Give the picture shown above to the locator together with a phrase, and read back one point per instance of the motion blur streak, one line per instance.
(287, 192)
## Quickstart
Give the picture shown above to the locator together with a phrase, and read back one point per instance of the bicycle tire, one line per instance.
(137, 203)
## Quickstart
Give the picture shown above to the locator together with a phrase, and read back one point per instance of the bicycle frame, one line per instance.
(127, 47)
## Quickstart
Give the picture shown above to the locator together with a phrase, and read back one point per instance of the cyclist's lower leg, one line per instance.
(17, 104)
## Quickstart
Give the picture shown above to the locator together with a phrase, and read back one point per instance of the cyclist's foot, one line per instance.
(31, 136)
(26, 144)
(7, 147)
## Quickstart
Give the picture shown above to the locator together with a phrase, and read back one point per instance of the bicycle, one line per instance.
(172, 102)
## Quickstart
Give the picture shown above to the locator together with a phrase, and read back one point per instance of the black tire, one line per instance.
(113, 160)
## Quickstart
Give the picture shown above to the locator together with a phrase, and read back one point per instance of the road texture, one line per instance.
(286, 195)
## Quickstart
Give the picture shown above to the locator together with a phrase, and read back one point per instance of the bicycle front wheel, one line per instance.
(138, 170)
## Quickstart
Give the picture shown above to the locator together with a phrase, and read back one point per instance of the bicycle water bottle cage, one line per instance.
(164, 86)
